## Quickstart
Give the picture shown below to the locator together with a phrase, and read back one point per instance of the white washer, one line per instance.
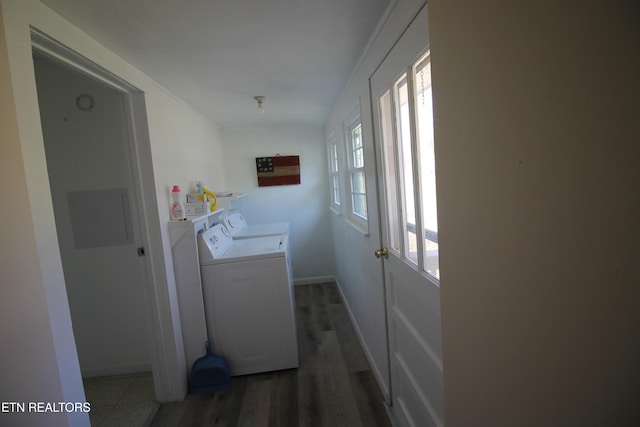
(248, 300)
(239, 229)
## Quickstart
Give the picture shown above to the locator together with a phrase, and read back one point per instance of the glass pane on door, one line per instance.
(405, 155)
(424, 119)
(406, 128)
(389, 167)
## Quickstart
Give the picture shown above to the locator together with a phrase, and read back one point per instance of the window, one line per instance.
(355, 162)
(424, 118)
(334, 172)
(356, 171)
(406, 128)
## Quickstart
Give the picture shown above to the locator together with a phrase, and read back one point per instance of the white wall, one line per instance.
(304, 206)
(536, 132)
(183, 146)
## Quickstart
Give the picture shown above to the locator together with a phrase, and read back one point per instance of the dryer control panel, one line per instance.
(214, 242)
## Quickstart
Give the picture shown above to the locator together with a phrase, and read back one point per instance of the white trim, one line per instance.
(353, 120)
(67, 56)
(166, 347)
(314, 280)
(132, 368)
(332, 141)
(364, 229)
(376, 372)
(367, 49)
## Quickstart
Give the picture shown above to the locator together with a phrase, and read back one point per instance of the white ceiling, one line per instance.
(217, 55)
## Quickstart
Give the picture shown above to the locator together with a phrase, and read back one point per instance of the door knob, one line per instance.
(382, 253)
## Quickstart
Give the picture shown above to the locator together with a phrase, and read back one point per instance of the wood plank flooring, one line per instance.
(333, 386)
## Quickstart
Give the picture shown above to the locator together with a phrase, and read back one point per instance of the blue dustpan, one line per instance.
(209, 374)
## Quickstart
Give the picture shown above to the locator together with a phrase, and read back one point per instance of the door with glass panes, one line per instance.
(403, 120)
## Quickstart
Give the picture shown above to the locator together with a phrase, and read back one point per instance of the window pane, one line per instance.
(389, 158)
(334, 158)
(358, 158)
(403, 129)
(334, 171)
(356, 143)
(424, 117)
(360, 205)
(357, 198)
(336, 189)
(356, 135)
(357, 178)
(359, 194)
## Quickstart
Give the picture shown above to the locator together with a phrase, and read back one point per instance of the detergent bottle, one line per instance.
(177, 209)
(211, 198)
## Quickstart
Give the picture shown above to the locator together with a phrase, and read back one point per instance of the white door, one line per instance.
(96, 213)
(401, 99)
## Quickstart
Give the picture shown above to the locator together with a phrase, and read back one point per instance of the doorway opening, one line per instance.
(88, 187)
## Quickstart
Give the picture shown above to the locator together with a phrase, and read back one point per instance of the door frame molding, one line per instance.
(166, 347)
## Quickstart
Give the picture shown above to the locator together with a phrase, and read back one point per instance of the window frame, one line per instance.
(333, 157)
(424, 139)
(357, 219)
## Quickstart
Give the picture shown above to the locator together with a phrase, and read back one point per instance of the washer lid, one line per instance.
(263, 246)
(216, 245)
(239, 229)
(260, 230)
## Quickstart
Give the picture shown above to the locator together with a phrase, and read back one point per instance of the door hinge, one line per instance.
(141, 251)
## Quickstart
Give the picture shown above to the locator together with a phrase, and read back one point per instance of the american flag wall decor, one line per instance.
(278, 170)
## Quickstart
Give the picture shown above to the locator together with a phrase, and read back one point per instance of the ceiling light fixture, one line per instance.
(260, 101)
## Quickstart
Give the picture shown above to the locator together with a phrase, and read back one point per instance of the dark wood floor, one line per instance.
(333, 386)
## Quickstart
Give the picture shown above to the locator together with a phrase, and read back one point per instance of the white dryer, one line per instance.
(248, 300)
(239, 229)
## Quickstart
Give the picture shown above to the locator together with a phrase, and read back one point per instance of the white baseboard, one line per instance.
(313, 280)
(103, 371)
(374, 367)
